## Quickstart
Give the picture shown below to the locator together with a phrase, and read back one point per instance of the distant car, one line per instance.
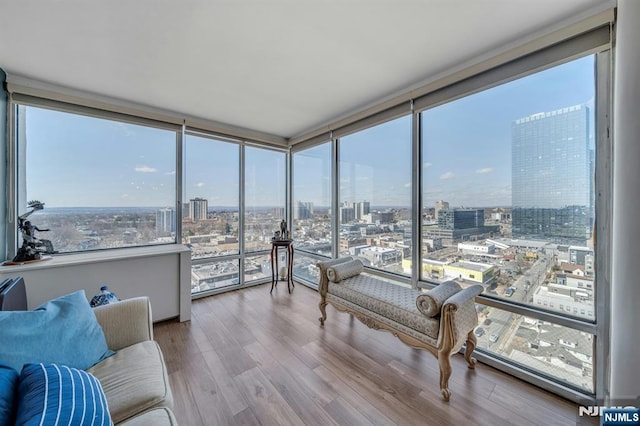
(487, 321)
(509, 292)
(493, 337)
(479, 331)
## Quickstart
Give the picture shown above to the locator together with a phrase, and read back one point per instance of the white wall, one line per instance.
(163, 273)
(625, 290)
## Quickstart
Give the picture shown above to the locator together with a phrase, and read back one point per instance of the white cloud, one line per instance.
(171, 173)
(200, 184)
(485, 170)
(425, 165)
(145, 169)
(407, 185)
(447, 175)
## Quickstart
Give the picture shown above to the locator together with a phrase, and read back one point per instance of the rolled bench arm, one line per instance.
(458, 318)
(323, 284)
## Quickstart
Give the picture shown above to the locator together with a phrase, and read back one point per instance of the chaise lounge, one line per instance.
(440, 320)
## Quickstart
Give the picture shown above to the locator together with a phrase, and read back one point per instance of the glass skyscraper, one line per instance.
(551, 176)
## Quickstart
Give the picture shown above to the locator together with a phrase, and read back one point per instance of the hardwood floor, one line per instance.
(248, 357)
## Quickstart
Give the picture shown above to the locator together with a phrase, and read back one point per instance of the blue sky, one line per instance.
(466, 157)
(82, 161)
(212, 172)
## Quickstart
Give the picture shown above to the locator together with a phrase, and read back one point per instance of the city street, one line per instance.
(502, 323)
(562, 351)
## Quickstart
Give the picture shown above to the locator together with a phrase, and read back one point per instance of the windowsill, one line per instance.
(62, 260)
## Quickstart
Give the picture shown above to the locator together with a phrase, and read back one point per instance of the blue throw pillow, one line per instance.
(62, 331)
(58, 395)
(8, 391)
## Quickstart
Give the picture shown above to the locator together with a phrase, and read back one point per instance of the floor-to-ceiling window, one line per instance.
(233, 201)
(312, 225)
(375, 182)
(265, 173)
(210, 210)
(508, 202)
(499, 178)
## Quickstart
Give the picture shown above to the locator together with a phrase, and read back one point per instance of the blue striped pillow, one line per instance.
(51, 394)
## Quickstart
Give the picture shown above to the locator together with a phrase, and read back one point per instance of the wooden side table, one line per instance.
(275, 245)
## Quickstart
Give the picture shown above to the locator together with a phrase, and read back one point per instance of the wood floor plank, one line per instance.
(185, 407)
(247, 418)
(265, 400)
(344, 414)
(472, 384)
(248, 357)
(300, 398)
(530, 408)
(227, 386)
(231, 353)
(378, 394)
(205, 392)
(354, 398)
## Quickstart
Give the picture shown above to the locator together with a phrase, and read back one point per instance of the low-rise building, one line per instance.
(565, 299)
(430, 268)
(381, 255)
(357, 250)
(477, 248)
(480, 273)
(432, 244)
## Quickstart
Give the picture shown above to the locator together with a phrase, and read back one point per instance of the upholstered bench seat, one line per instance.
(440, 320)
(392, 302)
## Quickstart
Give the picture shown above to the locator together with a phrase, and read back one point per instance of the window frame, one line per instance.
(599, 328)
(595, 41)
(242, 254)
(16, 197)
(291, 213)
(382, 118)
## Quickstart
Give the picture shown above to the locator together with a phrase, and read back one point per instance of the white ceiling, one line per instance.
(281, 67)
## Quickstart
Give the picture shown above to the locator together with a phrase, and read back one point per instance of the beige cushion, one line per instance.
(431, 302)
(396, 303)
(125, 323)
(331, 262)
(342, 271)
(154, 417)
(134, 380)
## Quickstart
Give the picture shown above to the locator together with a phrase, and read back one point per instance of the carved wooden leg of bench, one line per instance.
(323, 311)
(444, 359)
(471, 345)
